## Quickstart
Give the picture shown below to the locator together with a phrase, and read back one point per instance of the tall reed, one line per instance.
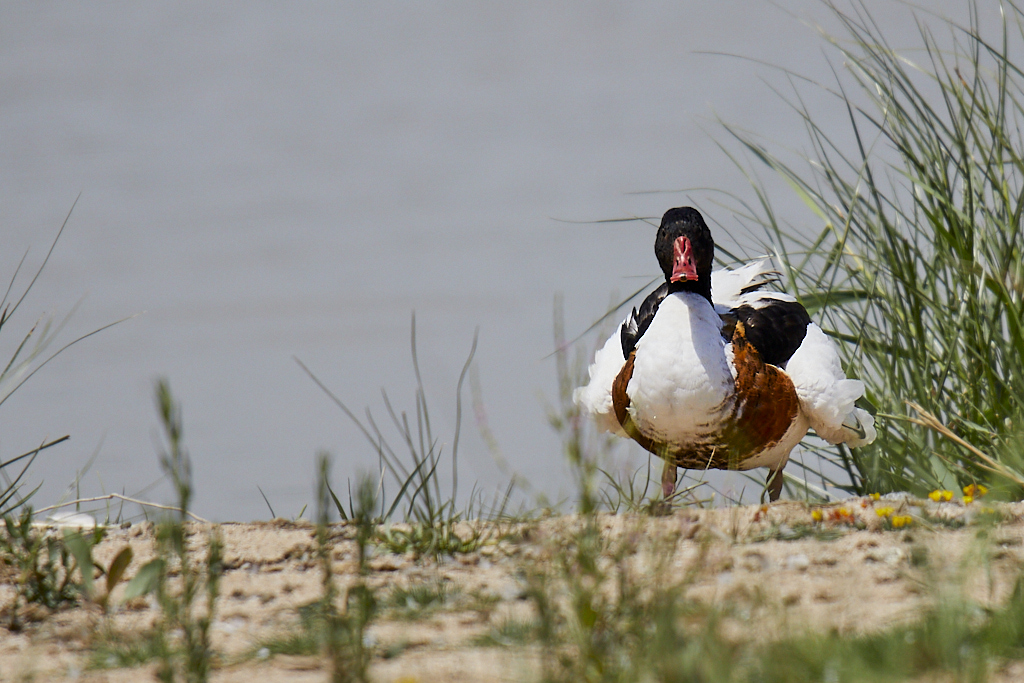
(26, 359)
(916, 262)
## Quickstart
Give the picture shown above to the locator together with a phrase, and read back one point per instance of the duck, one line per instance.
(714, 371)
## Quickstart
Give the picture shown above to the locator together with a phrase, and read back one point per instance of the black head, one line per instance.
(685, 250)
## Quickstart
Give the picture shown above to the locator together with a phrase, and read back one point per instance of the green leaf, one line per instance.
(145, 579)
(82, 552)
(337, 503)
(117, 567)
(815, 301)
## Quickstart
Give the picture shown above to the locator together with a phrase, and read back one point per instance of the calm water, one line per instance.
(265, 181)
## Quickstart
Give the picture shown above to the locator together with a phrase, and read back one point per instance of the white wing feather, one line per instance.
(595, 398)
(727, 285)
(826, 396)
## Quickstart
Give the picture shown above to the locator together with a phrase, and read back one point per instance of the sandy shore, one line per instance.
(793, 566)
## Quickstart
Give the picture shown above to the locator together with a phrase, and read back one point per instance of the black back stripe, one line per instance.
(775, 328)
(638, 322)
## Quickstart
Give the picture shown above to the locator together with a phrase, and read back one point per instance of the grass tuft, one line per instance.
(42, 565)
(342, 635)
(429, 509)
(26, 360)
(181, 639)
(421, 599)
(916, 263)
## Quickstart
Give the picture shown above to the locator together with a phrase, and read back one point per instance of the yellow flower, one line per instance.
(974, 490)
(884, 512)
(901, 520)
(875, 496)
(816, 515)
(968, 500)
(941, 494)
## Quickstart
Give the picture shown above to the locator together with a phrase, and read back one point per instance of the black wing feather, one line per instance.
(637, 323)
(775, 328)
(767, 278)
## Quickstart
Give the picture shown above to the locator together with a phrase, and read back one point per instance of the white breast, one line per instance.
(682, 381)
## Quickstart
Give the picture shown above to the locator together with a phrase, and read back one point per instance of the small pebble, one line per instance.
(798, 562)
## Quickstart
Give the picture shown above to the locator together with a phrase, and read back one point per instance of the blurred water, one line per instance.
(269, 180)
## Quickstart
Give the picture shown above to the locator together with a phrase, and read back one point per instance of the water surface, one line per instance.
(269, 180)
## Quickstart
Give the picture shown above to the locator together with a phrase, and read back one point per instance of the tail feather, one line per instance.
(727, 286)
(827, 397)
(595, 399)
(859, 428)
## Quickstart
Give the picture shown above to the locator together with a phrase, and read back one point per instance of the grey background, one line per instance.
(269, 180)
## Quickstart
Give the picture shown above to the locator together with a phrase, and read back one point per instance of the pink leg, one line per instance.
(668, 480)
(774, 485)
